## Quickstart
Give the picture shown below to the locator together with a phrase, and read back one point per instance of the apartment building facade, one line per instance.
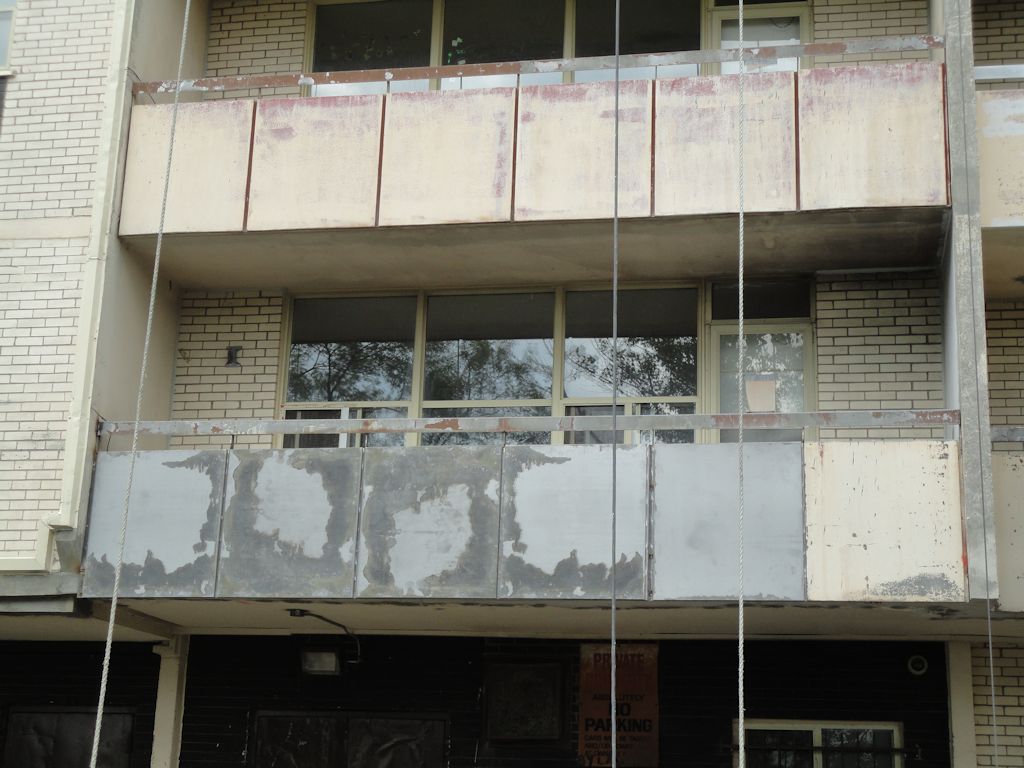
(396, 216)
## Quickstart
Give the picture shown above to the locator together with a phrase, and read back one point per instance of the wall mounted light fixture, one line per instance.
(233, 357)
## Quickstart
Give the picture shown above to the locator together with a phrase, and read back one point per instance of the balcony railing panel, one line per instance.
(315, 163)
(884, 521)
(698, 130)
(447, 157)
(566, 146)
(872, 136)
(1001, 145)
(868, 137)
(1008, 489)
(881, 520)
(695, 529)
(209, 171)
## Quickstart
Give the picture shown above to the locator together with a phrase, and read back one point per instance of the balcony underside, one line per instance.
(550, 252)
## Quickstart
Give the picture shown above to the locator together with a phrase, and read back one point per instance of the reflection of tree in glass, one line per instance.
(488, 370)
(365, 370)
(765, 352)
(648, 366)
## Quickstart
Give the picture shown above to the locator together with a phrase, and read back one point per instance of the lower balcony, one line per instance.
(828, 521)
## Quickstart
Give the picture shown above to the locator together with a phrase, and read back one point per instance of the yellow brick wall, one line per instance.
(1004, 321)
(879, 345)
(1009, 680)
(206, 388)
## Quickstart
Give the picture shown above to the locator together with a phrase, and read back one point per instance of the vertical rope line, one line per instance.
(741, 404)
(118, 567)
(615, 401)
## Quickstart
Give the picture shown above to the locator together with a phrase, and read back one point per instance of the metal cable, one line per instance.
(118, 567)
(615, 402)
(741, 403)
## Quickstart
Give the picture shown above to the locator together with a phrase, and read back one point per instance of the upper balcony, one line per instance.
(1001, 148)
(844, 168)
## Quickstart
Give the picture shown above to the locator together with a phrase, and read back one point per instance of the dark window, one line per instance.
(352, 349)
(372, 35)
(647, 26)
(480, 31)
(490, 347)
(762, 299)
(524, 702)
(780, 749)
(657, 343)
(46, 739)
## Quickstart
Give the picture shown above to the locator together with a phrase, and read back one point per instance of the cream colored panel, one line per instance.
(314, 163)
(447, 157)
(1001, 141)
(872, 136)
(566, 148)
(1008, 487)
(696, 161)
(208, 175)
(883, 521)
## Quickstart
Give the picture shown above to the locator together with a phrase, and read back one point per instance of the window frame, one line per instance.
(711, 17)
(718, 13)
(557, 403)
(716, 329)
(816, 727)
(11, 7)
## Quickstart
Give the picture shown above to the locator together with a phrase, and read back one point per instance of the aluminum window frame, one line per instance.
(816, 727)
(557, 403)
(11, 7)
(716, 14)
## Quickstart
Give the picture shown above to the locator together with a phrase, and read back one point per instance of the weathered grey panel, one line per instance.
(174, 518)
(556, 522)
(290, 523)
(430, 522)
(695, 525)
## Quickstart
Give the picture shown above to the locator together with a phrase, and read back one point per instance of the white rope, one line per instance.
(118, 567)
(615, 403)
(741, 406)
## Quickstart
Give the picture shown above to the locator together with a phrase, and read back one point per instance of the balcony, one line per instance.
(826, 521)
(844, 168)
(1001, 149)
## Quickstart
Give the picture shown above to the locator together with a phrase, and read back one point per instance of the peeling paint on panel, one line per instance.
(937, 586)
(696, 532)
(429, 522)
(290, 523)
(173, 523)
(556, 522)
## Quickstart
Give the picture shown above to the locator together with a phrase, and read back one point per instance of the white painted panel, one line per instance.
(884, 521)
(447, 157)
(872, 136)
(1001, 144)
(566, 146)
(696, 161)
(208, 173)
(1008, 487)
(315, 163)
(696, 523)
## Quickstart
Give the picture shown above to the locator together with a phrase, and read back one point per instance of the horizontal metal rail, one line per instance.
(992, 72)
(1007, 434)
(826, 419)
(763, 55)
